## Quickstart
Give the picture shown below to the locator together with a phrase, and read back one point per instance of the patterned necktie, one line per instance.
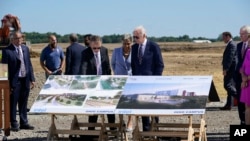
(98, 65)
(140, 53)
(243, 50)
(22, 68)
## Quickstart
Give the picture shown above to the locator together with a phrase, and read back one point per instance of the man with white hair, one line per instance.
(146, 61)
(241, 49)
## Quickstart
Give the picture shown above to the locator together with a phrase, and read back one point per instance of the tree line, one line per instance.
(36, 37)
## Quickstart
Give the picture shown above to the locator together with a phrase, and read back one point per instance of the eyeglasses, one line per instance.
(136, 37)
(94, 48)
(18, 38)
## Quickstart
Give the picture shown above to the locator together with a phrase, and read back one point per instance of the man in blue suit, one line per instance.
(21, 79)
(241, 49)
(229, 61)
(73, 56)
(146, 60)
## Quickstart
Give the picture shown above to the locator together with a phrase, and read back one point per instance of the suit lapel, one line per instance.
(92, 57)
(121, 58)
(13, 48)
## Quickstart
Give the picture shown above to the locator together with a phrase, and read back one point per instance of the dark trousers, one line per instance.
(146, 123)
(241, 106)
(19, 96)
(229, 85)
(93, 119)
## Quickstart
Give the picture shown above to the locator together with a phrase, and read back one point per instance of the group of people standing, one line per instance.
(136, 56)
(236, 71)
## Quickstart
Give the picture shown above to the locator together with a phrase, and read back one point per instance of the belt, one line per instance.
(21, 78)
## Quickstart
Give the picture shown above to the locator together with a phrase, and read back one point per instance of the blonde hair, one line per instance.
(127, 37)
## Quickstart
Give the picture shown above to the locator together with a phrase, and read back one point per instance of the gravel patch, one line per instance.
(218, 122)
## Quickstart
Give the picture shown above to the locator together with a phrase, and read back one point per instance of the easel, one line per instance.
(5, 108)
(185, 131)
(102, 132)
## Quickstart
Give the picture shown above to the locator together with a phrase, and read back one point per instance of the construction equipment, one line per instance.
(10, 23)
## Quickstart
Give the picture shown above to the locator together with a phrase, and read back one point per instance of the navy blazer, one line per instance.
(239, 56)
(152, 62)
(230, 57)
(73, 58)
(10, 57)
(118, 64)
(88, 66)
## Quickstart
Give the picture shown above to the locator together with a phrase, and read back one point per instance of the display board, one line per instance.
(113, 94)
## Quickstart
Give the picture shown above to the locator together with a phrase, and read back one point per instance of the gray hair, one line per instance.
(127, 37)
(14, 34)
(245, 28)
(73, 37)
(141, 29)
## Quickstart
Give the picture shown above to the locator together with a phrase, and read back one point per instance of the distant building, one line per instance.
(185, 93)
(202, 41)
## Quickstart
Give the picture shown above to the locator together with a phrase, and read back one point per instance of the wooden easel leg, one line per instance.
(52, 129)
(203, 134)
(136, 130)
(102, 135)
(74, 124)
(190, 130)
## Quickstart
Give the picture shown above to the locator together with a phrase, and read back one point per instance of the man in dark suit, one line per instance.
(146, 60)
(21, 79)
(73, 55)
(229, 61)
(241, 48)
(95, 61)
(86, 39)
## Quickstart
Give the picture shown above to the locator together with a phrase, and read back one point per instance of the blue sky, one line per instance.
(196, 18)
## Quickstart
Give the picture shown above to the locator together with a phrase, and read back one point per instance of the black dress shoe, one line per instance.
(27, 127)
(225, 108)
(15, 129)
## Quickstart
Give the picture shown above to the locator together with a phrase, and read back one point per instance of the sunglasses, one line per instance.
(94, 48)
(136, 37)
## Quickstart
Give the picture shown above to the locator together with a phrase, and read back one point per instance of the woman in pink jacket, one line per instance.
(245, 85)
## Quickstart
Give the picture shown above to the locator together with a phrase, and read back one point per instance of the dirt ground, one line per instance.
(179, 59)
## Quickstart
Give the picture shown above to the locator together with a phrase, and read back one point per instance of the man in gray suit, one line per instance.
(229, 65)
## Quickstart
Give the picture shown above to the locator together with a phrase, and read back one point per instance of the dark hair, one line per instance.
(227, 34)
(95, 38)
(87, 36)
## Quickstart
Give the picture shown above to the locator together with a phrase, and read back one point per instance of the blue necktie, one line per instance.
(140, 53)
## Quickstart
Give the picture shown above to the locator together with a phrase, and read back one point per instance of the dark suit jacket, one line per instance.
(229, 59)
(73, 58)
(10, 57)
(239, 56)
(240, 60)
(88, 66)
(152, 62)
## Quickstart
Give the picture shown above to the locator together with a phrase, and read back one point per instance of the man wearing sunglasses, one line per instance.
(146, 60)
(95, 61)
